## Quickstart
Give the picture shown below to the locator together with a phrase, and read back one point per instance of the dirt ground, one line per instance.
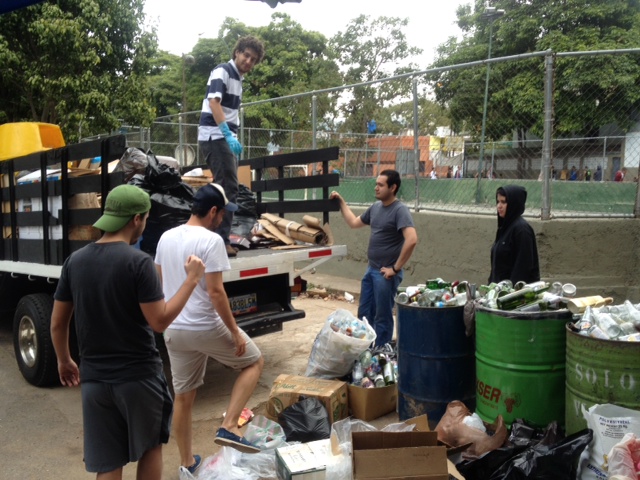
(41, 428)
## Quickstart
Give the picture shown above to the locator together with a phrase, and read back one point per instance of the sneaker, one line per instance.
(198, 460)
(227, 439)
(231, 252)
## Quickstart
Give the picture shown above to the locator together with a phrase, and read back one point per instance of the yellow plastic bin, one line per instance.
(19, 139)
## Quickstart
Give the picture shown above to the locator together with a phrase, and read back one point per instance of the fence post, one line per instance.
(416, 144)
(242, 131)
(636, 207)
(547, 136)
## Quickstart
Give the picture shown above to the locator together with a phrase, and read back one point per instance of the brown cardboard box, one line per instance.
(244, 176)
(287, 390)
(389, 455)
(371, 403)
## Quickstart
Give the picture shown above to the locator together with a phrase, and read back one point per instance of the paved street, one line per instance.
(41, 428)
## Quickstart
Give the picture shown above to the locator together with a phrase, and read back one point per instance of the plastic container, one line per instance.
(520, 365)
(599, 371)
(19, 139)
(435, 361)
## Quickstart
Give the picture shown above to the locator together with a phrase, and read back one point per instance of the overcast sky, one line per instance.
(180, 22)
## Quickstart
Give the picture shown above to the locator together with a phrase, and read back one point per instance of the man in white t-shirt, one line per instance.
(206, 326)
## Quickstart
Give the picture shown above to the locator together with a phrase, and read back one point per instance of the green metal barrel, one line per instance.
(599, 371)
(520, 365)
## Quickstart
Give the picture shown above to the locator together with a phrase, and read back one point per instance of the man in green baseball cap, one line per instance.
(123, 203)
(114, 293)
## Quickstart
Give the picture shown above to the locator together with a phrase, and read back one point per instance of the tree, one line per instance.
(81, 64)
(371, 49)
(589, 91)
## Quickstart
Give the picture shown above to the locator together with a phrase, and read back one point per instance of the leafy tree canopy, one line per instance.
(81, 64)
(371, 49)
(586, 88)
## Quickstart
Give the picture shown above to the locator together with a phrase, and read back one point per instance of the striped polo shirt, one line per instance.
(225, 83)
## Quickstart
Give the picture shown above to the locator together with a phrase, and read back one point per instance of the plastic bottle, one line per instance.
(357, 373)
(365, 359)
(379, 381)
(387, 372)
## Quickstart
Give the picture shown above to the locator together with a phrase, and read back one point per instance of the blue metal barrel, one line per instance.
(436, 361)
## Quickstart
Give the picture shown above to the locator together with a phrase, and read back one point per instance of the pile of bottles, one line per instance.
(614, 322)
(526, 297)
(343, 322)
(375, 369)
(434, 293)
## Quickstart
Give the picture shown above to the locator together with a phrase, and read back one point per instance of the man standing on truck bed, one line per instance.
(115, 294)
(393, 239)
(206, 326)
(218, 129)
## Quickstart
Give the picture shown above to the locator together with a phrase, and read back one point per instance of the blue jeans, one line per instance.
(377, 296)
(224, 167)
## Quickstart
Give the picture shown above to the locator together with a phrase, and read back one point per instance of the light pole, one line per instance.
(182, 155)
(491, 14)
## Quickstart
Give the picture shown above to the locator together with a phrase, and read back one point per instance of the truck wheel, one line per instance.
(32, 340)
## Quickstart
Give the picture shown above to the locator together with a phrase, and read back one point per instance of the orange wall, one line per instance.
(389, 145)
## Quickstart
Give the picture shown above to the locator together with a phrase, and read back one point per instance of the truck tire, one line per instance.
(32, 340)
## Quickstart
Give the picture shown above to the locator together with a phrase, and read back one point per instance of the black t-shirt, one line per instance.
(106, 283)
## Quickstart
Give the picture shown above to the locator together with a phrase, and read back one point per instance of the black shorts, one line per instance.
(124, 420)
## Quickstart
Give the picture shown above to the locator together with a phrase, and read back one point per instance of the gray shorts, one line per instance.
(188, 352)
(124, 420)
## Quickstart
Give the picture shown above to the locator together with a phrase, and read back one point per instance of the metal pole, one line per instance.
(416, 145)
(546, 141)
(314, 112)
(484, 116)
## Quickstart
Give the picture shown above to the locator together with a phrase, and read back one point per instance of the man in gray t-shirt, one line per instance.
(393, 239)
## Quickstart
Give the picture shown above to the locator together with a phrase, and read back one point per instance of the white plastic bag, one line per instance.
(334, 352)
(610, 423)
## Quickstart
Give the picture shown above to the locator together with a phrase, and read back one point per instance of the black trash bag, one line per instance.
(305, 421)
(558, 461)
(133, 161)
(167, 212)
(161, 178)
(247, 203)
(541, 453)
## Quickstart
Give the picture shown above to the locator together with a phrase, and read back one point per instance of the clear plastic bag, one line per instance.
(624, 458)
(265, 434)
(340, 342)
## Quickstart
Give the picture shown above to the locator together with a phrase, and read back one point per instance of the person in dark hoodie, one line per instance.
(514, 255)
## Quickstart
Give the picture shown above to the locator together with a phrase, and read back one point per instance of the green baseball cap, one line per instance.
(123, 202)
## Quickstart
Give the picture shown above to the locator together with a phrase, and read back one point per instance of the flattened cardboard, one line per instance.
(287, 390)
(370, 403)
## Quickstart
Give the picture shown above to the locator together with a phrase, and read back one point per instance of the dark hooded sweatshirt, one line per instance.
(514, 255)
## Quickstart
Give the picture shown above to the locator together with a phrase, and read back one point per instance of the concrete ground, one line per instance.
(41, 428)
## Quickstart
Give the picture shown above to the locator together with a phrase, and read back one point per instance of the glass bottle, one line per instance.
(514, 299)
(402, 298)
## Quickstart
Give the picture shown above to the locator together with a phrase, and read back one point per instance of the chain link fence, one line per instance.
(562, 125)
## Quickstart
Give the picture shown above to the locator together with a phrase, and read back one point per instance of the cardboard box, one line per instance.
(244, 176)
(415, 455)
(371, 403)
(287, 389)
(303, 461)
(388, 455)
